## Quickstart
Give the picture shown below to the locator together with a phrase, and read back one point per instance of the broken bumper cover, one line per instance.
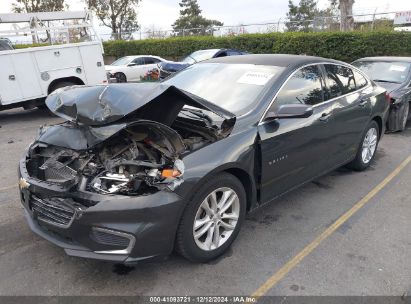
(117, 228)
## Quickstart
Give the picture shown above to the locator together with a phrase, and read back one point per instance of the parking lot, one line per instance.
(368, 254)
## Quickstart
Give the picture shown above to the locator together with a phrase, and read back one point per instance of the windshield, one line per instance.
(234, 87)
(384, 71)
(122, 61)
(200, 56)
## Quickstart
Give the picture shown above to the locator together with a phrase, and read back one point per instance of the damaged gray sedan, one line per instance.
(138, 170)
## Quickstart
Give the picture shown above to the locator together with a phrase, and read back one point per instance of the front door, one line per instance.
(135, 69)
(294, 150)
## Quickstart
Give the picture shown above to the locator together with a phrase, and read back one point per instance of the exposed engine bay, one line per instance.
(124, 139)
(140, 159)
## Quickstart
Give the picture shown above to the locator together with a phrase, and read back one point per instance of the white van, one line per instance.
(28, 75)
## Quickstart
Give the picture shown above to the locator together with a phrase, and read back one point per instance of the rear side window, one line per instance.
(304, 87)
(233, 53)
(360, 80)
(138, 61)
(150, 60)
(340, 80)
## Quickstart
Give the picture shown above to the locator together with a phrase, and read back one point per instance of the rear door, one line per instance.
(351, 99)
(294, 150)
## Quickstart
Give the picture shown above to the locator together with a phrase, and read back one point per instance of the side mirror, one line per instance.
(131, 64)
(290, 111)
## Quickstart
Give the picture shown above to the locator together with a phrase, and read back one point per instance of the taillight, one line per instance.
(388, 98)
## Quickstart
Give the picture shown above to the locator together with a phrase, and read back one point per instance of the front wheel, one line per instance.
(120, 77)
(212, 219)
(367, 148)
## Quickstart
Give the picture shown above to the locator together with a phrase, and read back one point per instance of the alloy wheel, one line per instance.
(121, 78)
(216, 219)
(369, 145)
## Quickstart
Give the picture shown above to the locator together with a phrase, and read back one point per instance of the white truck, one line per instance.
(74, 57)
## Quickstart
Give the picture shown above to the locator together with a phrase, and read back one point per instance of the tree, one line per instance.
(32, 6)
(120, 16)
(301, 16)
(347, 20)
(191, 22)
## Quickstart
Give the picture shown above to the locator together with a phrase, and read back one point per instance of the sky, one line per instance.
(162, 13)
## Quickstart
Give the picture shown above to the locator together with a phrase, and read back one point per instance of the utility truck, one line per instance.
(66, 51)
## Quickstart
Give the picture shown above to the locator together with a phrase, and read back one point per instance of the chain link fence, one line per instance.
(362, 22)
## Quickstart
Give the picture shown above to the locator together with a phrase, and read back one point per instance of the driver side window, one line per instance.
(304, 87)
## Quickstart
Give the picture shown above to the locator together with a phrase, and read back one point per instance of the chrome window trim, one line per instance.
(324, 102)
(122, 234)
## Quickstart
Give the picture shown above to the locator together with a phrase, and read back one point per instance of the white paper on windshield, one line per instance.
(256, 78)
(398, 68)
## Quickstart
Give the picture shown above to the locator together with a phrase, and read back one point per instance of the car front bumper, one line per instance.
(116, 228)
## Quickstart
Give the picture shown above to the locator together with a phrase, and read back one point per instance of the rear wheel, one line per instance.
(367, 148)
(56, 86)
(212, 219)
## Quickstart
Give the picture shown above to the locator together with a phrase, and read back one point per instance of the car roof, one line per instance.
(386, 58)
(282, 60)
(138, 56)
(218, 50)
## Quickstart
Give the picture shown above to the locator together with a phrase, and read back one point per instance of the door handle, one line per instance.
(325, 116)
(12, 77)
(363, 103)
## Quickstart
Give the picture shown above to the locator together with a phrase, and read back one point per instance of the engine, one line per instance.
(132, 163)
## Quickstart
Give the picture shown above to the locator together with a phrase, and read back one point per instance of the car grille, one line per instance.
(53, 211)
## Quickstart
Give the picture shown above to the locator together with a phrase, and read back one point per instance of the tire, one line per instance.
(370, 138)
(120, 77)
(207, 246)
(62, 84)
(404, 115)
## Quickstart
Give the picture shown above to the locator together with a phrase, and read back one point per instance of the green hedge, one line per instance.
(342, 46)
(23, 46)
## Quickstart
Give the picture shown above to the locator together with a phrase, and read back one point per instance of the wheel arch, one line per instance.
(379, 122)
(246, 179)
(73, 79)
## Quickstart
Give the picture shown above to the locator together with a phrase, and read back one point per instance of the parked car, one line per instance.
(393, 74)
(132, 68)
(5, 44)
(168, 68)
(138, 170)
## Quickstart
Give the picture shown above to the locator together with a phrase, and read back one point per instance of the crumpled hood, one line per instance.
(105, 104)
